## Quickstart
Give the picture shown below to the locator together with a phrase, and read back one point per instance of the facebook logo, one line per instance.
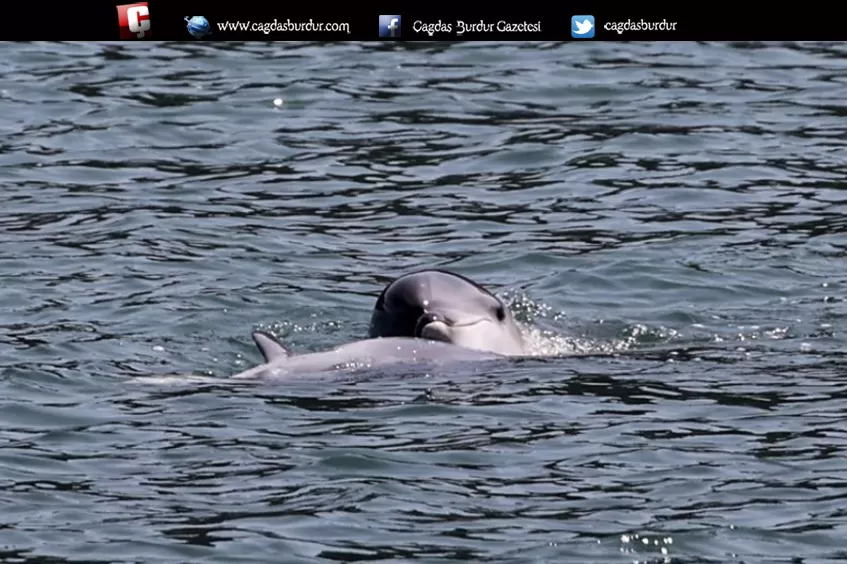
(389, 26)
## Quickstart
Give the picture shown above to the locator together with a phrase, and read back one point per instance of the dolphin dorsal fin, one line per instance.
(270, 346)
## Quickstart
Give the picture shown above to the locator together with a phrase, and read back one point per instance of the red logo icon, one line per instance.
(134, 20)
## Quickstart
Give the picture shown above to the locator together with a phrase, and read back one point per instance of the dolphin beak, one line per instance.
(481, 334)
(437, 327)
(427, 319)
(437, 331)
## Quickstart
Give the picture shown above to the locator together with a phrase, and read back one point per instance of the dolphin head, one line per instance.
(444, 306)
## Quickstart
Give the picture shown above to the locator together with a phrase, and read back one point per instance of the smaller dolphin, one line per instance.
(359, 355)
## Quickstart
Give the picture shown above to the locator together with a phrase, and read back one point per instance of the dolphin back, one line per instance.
(368, 355)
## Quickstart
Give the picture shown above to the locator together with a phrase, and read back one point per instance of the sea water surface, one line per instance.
(675, 213)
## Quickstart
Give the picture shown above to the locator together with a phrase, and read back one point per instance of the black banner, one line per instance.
(161, 20)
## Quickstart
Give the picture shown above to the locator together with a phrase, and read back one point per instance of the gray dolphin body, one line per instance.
(394, 352)
(422, 319)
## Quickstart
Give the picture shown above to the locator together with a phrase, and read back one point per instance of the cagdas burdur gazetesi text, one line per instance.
(480, 26)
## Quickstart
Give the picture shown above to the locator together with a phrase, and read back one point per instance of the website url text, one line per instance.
(286, 26)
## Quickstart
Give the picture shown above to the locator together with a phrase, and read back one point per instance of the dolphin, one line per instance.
(389, 352)
(445, 306)
(422, 319)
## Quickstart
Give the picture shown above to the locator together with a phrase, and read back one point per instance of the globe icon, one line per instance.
(198, 26)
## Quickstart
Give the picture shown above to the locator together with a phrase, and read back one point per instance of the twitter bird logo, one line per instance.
(582, 27)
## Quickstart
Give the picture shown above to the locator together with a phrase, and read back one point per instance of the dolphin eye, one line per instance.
(501, 312)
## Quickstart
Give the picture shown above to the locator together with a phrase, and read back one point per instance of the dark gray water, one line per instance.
(676, 213)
